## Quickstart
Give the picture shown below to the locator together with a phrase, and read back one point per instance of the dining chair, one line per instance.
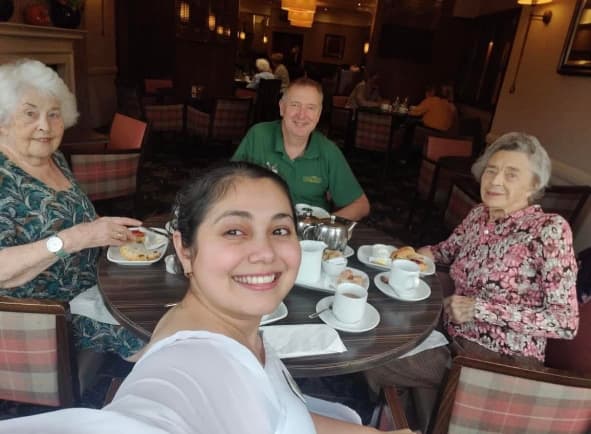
(566, 200)
(129, 101)
(230, 119)
(152, 85)
(38, 364)
(341, 121)
(108, 178)
(463, 196)
(487, 396)
(127, 134)
(245, 93)
(165, 118)
(197, 122)
(267, 101)
(443, 159)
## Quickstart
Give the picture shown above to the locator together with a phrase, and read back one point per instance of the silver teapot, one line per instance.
(305, 220)
(334, 231)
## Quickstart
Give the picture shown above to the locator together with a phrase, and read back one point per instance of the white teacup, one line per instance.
(349, 302)
(380, 251)
(310, 266)
(404, 276)
(172, 264)
(333, 267)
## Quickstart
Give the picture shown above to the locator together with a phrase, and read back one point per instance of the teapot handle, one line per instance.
(306, 230)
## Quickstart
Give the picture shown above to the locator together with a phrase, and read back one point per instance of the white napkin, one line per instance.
(91, 304)
(303, 340)
(434, 340)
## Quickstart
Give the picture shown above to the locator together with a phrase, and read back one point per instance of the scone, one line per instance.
(349, 277)
(403, 253)
(138, 236)
(418, 259)
(138, 252)
(331, 254)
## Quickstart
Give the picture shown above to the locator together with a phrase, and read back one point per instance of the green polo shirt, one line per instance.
(321, 169)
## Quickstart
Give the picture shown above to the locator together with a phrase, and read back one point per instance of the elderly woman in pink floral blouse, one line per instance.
(513, 265)
(514, 272)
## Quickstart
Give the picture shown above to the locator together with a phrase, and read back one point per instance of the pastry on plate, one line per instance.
(407, 252)
(138, 252)
(349, 277)
(331, 254)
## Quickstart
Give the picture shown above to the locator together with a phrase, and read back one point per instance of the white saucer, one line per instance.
(276, 315)
(419, 293)
(364, 253)
(323, 283)
(370, 319)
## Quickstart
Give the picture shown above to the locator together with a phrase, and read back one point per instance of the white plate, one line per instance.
(419, 293)
(371, 318)
(323, 283)
(348, 252)
(113, 255)
(276, 315)
(364, 253)
(317, 212)
(168, 228)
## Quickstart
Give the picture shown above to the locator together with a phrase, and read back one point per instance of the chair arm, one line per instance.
(392, 415)
(33, 305)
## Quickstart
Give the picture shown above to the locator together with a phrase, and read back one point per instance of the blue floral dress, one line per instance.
(31, 211)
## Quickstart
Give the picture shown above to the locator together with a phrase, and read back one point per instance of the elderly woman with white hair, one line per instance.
(264, 73)
(513, 268)
(49, 231)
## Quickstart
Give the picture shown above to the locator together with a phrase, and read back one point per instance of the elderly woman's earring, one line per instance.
(188, 274)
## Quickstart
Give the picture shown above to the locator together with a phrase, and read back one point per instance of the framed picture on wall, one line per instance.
(334, 46)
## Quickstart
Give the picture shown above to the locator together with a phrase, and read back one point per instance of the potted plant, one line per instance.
(66, 13)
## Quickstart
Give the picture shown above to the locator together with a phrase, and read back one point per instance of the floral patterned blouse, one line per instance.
(521, 271)
(31, 211)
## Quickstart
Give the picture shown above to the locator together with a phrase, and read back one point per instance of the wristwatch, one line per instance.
(56, 246)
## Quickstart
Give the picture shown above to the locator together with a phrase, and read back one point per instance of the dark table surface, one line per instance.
(137, 296)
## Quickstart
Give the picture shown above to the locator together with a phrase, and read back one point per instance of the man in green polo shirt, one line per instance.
(313, 166)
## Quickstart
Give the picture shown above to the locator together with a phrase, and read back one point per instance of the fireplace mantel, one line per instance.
(50, 45)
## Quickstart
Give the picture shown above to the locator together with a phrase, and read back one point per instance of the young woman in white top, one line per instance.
(206, 369)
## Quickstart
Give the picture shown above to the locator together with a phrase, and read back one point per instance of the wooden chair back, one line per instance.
(267, 100)
(35, 352)
(127, 133)
(566, 200)
(463, 196)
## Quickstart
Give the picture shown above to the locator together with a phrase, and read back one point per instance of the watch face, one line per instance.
(54, 244)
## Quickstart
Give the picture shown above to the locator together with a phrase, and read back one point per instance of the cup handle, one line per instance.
(413, 282)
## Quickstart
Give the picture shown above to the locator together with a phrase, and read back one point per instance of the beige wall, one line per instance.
(553, 107)
(102, 64)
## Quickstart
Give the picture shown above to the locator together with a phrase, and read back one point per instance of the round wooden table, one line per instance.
(136, 296)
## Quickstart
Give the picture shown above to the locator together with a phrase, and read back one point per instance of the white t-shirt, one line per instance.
(191, 382)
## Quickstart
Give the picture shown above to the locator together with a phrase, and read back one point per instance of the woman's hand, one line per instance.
(459, 308)
(104, 231)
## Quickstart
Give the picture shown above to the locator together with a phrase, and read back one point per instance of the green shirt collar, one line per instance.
(312, 150)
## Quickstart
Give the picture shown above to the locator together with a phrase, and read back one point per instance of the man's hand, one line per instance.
(459, 308)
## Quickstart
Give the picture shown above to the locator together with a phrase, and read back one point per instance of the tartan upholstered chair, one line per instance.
(127, 134)
(106, 177)
(434, 180)
(483, 396)
(166, 118)
(35, 353)
(373, 132)
(230, 120)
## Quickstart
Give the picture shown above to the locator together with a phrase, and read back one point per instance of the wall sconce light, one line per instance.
(265, 39)
(219, 30)
(211, 22)
(242, 35)
(184, 12)
(546, 17)
(228, 32)
(366, 48)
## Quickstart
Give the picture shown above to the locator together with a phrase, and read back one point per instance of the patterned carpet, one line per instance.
(167, 167)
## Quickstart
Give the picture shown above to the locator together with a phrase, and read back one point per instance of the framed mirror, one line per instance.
(576, 54)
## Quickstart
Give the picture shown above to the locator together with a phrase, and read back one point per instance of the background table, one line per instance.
(136, 296)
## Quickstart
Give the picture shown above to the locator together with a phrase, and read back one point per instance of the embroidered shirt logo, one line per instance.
(312, 179)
